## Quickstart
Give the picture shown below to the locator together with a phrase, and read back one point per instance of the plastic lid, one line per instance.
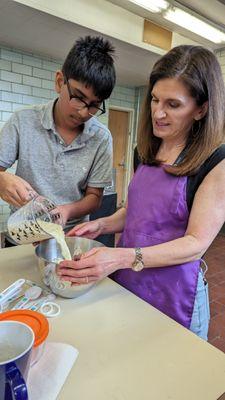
(36, 321)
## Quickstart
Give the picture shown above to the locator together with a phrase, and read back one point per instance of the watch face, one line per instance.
(138, 266)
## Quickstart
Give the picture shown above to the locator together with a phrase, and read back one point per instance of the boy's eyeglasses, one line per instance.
(79, 103)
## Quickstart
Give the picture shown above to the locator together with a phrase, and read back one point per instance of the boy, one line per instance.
(63, 152)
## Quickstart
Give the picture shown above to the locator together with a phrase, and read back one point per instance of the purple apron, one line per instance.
(157, 213)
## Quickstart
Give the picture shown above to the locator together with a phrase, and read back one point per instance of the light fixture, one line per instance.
(152, 5)
(194, 24)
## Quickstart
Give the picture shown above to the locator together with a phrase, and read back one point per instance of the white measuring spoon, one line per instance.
(42, 301)
(14, 297)
(11, 290)
(30, 294)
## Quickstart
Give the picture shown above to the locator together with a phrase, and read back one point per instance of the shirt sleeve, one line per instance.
(101, 171)
(9, 142)
(195, 181)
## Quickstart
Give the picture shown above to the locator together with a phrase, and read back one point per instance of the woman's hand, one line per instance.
(95, 265)
(89, 230)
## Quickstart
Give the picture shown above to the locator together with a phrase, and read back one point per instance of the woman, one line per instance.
(176, 199)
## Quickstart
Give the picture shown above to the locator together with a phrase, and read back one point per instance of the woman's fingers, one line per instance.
(76, 230)
(84, 261)
(88, 229)
(77, 273)
(78, 277)
(89, 253)
(81, 231)
(95, 264)
(80, 281)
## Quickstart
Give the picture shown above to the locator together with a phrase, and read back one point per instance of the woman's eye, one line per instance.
(173, 105)
(154, 100)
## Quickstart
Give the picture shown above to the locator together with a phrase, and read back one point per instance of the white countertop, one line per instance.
(128, 350)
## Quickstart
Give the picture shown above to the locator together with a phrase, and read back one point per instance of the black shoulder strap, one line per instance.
(137, 160)
(180, 157)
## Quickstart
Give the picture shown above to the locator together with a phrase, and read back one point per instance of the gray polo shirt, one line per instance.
(58, 171)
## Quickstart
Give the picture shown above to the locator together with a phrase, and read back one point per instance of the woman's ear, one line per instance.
(59, 81)
(202, 111)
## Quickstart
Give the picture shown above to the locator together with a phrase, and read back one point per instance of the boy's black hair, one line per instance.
(90, 61)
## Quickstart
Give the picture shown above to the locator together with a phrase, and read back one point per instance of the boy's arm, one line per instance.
(90, 202)
(13, 189)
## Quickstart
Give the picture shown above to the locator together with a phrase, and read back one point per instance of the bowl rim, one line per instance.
(53, 240)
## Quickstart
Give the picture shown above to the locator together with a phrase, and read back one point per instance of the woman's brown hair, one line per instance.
(200, 71)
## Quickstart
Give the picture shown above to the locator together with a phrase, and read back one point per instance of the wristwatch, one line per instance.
(138, 263)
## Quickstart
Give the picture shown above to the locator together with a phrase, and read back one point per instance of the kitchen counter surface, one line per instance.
(127, 349)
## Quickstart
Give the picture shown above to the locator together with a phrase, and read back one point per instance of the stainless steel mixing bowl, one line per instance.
(48, 251)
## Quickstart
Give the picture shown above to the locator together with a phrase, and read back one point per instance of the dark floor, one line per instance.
(215, 258)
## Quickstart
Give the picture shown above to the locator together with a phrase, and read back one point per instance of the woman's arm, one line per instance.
(206, 218)
(113, 224)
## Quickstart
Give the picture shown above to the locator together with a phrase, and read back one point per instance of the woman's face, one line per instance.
(173, 110)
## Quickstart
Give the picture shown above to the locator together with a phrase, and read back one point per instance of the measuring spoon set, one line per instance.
(31, 299)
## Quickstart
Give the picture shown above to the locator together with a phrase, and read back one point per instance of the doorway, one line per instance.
(120, 121)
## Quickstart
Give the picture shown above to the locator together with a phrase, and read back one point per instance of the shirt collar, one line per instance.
(47, 115)
(90, 129)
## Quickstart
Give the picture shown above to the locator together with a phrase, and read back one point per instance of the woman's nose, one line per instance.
(159, 112)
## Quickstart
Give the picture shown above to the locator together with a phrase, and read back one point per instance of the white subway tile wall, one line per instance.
(27, 79)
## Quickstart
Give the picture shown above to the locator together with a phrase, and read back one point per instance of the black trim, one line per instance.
(194, 181)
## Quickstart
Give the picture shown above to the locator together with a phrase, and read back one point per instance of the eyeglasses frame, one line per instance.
(86, 105)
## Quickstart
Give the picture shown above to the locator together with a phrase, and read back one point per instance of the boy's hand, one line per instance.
(15, 190)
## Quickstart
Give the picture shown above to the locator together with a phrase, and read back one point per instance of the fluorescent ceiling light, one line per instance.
(193, 24)
(152, 5)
